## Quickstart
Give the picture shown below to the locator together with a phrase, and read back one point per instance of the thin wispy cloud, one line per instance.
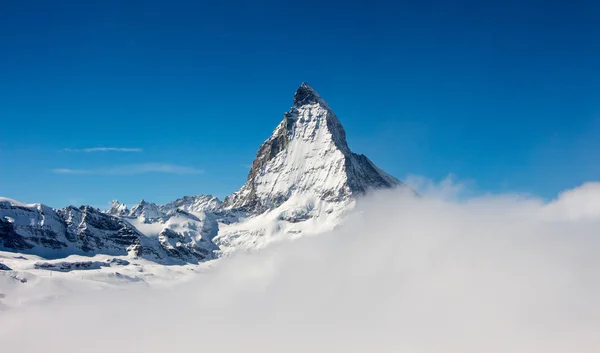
(104, 149)
(132, 169)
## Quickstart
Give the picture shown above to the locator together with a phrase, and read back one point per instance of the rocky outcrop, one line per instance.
(67, 266)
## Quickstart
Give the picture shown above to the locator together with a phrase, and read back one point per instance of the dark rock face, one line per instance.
(94, 218)
(265, 153)
(118, 262)
(366, 175)
(48, 240)
(171, 234)
(94, 230)
(12, 235)
(305, 95)
(10, 239)
(69, 266)
(173, 244)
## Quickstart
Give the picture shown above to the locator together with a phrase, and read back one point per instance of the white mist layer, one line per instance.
(416, 275)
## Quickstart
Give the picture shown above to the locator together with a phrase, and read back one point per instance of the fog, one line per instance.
(440, 273)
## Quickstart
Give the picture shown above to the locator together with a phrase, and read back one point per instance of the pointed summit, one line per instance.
(305, 94)
(117, 209)
(147, 211)
(307, 155)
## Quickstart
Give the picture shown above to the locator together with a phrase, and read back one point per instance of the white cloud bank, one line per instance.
(502, 274)
(131, 169)
(104, 149)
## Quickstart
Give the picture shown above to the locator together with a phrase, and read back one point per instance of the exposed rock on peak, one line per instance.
(118, 209)
(305, 94)
(307, 154)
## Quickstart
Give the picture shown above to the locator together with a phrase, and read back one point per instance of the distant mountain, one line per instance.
(302, 181)
(56, 233)
(118, 209)
(200, 203)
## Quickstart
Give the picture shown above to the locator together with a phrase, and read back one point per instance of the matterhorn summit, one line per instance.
(307, 155)
(303, 177)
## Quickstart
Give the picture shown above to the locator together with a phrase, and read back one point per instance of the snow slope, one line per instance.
(33, 279)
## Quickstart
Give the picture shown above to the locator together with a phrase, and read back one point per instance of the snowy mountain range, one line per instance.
(302, 181)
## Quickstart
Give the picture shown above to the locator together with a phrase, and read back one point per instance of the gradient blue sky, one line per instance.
(505, 94)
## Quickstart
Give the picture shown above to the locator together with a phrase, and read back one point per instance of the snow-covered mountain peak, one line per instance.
(307, 154)
(117, 209)
(199, 203)
(147, 211)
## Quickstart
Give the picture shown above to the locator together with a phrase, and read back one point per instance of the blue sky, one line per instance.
(505, 94)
